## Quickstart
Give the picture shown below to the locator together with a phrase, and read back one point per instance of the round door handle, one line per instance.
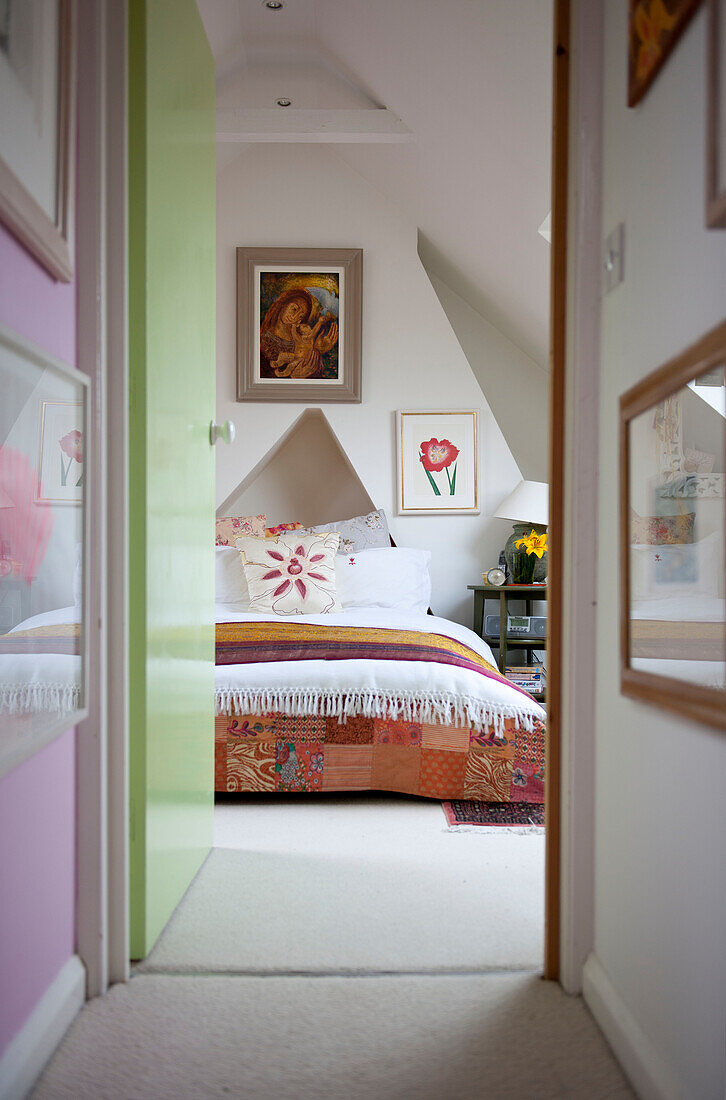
(226, 432)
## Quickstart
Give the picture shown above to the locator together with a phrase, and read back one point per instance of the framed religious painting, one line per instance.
(654, 28)
(37, 128)
(673, 534)
(299, 316)
(437, 463)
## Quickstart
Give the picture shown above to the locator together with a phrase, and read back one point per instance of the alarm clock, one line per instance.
(495, 576)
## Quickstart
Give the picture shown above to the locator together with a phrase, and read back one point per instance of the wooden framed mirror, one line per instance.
(673, 534)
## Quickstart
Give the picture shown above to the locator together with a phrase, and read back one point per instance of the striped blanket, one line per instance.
(254, 643)
(58, 638)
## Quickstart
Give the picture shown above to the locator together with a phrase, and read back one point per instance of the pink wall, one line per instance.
(38, 798)
(33, 304)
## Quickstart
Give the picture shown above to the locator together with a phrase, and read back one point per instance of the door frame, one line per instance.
(103, 896)
(101, 779)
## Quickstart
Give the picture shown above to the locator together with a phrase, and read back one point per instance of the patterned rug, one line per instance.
(461, 812)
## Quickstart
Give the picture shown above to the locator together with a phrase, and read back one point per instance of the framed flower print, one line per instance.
(437, 463)
(299, 324)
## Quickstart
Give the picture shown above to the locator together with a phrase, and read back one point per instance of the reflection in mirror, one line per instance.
(676, 448)
(42, 488)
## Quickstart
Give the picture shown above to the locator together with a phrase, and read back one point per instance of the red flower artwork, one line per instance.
(437, 454)
(72, 445)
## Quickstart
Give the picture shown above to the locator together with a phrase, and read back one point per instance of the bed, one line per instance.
(41, 666)
(370, 699)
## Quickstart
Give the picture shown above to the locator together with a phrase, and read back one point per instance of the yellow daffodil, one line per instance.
(533, 543)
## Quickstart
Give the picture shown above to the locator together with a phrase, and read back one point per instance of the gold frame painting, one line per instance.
(299, 318)
(654, 27)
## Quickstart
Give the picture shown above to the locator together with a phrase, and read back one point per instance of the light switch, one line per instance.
(614, 259)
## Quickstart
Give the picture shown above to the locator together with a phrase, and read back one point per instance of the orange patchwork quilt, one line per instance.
(278, 752)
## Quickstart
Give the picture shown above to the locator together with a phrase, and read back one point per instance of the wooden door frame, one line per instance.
(558, 300)
(574, 431)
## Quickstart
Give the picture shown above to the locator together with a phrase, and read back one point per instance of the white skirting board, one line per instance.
(649, 1075)
(25, 1057)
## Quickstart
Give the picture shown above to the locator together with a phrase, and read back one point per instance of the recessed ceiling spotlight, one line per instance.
(274, 5)
(283, 102)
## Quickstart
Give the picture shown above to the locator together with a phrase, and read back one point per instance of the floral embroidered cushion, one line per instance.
(232, 527)
(291, 575)
(662, 530)
(360, 533)
(280, 529)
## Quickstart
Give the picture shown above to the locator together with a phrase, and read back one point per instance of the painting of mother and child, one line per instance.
(299, 325)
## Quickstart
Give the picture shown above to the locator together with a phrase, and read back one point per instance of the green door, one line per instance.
(171, 466)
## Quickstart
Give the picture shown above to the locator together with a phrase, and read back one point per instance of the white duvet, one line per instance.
(41, 682)
(376, 688)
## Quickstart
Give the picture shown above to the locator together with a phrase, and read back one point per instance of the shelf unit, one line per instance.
(529, 593)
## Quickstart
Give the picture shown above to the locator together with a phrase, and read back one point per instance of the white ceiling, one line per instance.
(470, 78)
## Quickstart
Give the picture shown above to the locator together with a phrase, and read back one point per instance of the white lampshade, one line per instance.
(528, 503)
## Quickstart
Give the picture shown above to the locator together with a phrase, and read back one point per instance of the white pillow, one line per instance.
(293, 574)
(393, 576)
(230, 585)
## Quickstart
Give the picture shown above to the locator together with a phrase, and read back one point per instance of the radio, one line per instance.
(531, 626)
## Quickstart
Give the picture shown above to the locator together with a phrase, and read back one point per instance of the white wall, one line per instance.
(517, 387)
(660, 865)
(307, 196)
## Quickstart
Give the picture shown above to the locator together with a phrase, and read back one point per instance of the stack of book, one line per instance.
(530, 677)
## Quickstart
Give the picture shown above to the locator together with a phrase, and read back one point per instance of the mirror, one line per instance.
(673, 529)
(42, 525)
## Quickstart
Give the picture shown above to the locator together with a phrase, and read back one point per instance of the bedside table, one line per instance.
(504, 593)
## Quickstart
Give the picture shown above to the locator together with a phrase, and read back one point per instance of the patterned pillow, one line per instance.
(231, 527)
(281, 528)
(293, 575)
(360, 533)
(662, 530)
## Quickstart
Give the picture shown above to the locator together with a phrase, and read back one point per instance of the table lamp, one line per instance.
(528, 508)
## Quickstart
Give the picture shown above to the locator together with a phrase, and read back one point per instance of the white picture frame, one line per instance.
(38, 127)
(60, 453)
(437, 462)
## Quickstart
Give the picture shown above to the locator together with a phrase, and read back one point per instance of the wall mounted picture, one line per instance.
(437, 463)
(672, 517)
(60, 465)
(299, 324)
(43, 549)
(716, 116)
(653, 30)
(37, 128)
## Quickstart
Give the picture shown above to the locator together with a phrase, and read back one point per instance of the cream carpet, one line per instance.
(356, 885)
(503, 1037)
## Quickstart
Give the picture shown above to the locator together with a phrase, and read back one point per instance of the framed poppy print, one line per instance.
(438, 463)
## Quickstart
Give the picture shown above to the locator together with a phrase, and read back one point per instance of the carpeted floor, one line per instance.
(340, 891)
(503, 1036)
(356, 885)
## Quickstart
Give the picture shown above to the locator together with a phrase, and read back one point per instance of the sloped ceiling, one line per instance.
(471, 80)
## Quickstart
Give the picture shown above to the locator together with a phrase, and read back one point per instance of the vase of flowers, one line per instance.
(528, 552)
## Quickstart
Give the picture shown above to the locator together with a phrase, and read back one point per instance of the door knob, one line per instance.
(226, 432)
